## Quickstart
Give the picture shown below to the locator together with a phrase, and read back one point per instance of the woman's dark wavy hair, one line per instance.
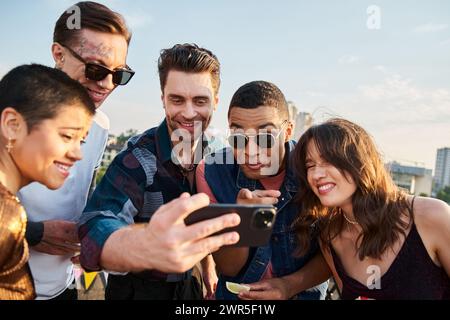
(378, 205)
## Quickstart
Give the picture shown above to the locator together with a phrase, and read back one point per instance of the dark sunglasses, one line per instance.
(97, 72)
(264, 140)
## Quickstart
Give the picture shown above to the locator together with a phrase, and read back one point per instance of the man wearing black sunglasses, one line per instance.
(97, 72)
(261, 172)
(95, 56)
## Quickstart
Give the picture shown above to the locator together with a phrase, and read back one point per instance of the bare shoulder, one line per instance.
(432, 219)
(429, 212)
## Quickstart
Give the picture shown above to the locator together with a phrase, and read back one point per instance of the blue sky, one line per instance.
(394, 81)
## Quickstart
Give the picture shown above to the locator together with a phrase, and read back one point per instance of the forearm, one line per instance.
(122, 251)
(315, 272)
(230, 261)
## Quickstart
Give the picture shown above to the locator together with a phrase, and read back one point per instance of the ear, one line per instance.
(58, 55)
(13, 125)
(289, 131)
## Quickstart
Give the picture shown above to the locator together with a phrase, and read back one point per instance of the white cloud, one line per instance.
(402, 100)
(430, 27)
(349, 59)
(381, 69)
(138, 20)
(392, 87)
(408, 121)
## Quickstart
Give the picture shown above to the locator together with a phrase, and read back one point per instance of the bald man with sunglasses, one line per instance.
(261, 172)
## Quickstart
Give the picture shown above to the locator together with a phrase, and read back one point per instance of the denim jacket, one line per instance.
(225, 180)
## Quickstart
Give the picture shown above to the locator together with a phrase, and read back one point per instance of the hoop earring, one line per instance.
(9, 146)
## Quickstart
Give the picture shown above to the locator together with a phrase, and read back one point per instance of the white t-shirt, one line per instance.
(53, 274)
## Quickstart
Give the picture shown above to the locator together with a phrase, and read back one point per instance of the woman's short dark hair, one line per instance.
(38, 93)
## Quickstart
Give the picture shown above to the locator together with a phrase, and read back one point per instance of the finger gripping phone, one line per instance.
(256, 225)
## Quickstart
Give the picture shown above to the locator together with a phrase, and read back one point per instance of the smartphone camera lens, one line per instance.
(263, 219)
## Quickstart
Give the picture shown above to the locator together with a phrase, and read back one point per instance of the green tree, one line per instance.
(124, 136)
(121, 141)
(444, 194)
(100, 173)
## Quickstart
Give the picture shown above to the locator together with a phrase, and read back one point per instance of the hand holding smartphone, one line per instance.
(256, 225)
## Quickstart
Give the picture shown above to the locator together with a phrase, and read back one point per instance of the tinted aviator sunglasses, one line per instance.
(97, 72)
(264, 140)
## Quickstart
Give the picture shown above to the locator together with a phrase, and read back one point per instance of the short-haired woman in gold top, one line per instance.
(44, 118)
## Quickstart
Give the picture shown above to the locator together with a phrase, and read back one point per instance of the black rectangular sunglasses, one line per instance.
(265, 140)
(97, 72)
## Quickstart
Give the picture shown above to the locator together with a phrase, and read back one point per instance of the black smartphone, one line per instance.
(256, 224)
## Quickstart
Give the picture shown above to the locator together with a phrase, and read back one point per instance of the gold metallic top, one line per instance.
(16, 282)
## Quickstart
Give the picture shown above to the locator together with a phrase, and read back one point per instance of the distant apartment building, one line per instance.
(110, 153)
(301, 120)
(112, 139)
(111, 150)
(292, 111)
(415, 180)
(442, 169)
